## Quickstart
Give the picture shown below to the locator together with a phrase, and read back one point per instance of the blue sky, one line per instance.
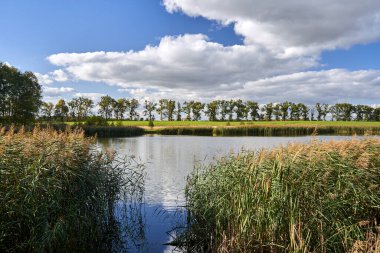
(198, 49)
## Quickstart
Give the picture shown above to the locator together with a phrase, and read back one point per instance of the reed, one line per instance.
(58, 193)
(319, 197)
(112, 131)
(293, 130)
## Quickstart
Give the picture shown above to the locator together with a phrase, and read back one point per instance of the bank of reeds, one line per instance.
(319, 197)
(199, 131)
(266, 130)
(89, 130)
(274, 130)
(112, 131)
(58, 193)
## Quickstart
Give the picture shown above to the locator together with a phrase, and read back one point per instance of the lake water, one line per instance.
(169, 160)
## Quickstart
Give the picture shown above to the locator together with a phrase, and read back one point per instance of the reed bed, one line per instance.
(316, 197)
(112, 131)
(265, 130)
(293, 130)
(58, 193)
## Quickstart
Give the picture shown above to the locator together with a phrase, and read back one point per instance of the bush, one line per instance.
(96, 121)
(58, 193)
(151, 124)
(320, 197)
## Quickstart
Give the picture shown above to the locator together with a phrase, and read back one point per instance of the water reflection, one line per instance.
(169, 160)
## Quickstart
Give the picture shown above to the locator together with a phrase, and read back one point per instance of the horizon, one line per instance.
(206, 50)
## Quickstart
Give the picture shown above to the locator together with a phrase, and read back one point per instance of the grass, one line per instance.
(235, 123)
(319, 197)
(252, 128)
(58, 193)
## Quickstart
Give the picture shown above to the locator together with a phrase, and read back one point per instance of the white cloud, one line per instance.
(55, 76)
(330, 86)
(282, 43)
(293, 27)
(93, 96)
(188, 61)
(53, 91)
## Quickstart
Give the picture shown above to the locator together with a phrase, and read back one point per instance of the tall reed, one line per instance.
(320, 197)
(58, 193)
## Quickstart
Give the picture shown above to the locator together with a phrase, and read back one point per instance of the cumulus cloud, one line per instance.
(293, 27)
(188, 61)
(282, 44)
(329, 86)
(54, 91)
(93, 96)
(55, 76)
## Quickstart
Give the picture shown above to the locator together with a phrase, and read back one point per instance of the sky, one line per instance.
(268, 51)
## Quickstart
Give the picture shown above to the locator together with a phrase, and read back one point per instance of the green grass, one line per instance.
(58, 193)
(234, 123)
(320, 197)
(252, 128)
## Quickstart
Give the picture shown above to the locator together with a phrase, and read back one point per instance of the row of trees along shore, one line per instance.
(21, 94)
(81, 108)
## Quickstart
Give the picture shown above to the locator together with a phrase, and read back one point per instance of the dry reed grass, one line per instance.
(298, 198)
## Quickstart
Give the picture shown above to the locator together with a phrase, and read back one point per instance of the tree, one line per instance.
(80, 107)
(170, 106)
(312, 113)
(106, 107)
(230, 109)
(47, 109)
(86, 104)
(319, 109)
(239, 109)
(149, 107)
(212, 110)
(20, 95)
(162, 108)
(277, 112)
(342, 111)
(268, 109)
(304, 111)
(179, 111)
(224, 109)
(61, 110)
(119, 107)
(187, 107)
(133, 105)
(294, 111)
(197, 108)
(253, 109)
(284, 107)
(74, 108)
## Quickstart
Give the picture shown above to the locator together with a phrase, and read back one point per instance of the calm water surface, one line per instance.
(169, 160)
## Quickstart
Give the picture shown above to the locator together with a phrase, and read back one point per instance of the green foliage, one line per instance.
(320, 197)
(149, 107)
(106, 105)
(96, 121)
(59, 194)
(151, 124)
(20, 95)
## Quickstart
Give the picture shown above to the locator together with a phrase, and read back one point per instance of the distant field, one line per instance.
(276, 123)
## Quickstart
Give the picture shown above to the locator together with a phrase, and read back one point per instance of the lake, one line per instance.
(169, 160)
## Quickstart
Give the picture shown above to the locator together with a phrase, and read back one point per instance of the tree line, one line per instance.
(79, 109)
(20, 102)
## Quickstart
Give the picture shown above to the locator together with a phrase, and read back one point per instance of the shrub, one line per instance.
(96, 121)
